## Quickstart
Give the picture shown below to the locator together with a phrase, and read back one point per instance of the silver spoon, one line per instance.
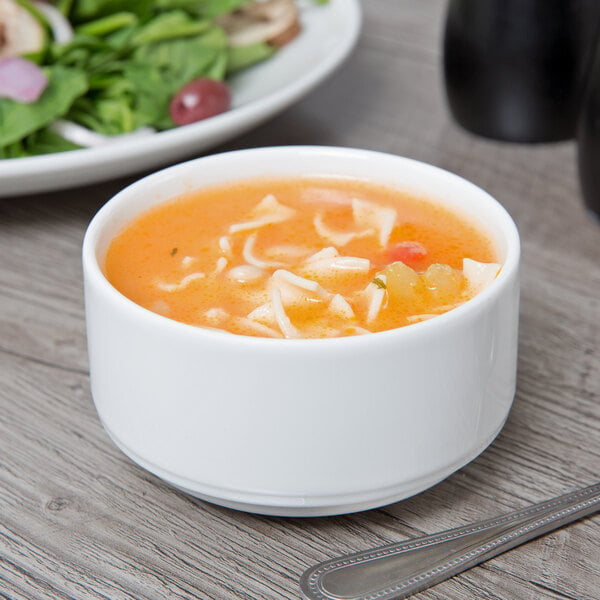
(398, 570)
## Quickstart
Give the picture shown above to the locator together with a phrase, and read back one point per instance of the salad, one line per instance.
(80, 73)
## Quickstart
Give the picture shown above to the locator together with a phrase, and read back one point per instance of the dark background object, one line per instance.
(588, 138)
(514, 69)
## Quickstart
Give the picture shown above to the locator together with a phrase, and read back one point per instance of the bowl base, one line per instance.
(304, 506)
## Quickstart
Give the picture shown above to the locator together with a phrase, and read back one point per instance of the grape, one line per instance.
(199, 99)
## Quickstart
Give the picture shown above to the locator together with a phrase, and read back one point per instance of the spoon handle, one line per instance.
(398, 570)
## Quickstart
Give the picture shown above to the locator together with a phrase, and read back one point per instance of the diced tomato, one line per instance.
(410, 253)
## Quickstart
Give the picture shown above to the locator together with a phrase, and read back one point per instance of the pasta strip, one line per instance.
(173, 287)
(251, 258)
(288, 330)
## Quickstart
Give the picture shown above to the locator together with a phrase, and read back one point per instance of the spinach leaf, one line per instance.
(168, 26)
(14, 150)
(183, 59)
(18, 119)
(133, 96)
(46, 141)
(88, 10)
(241, 57)
(202, 8)
(111, 116)
(78, 51)
(105, 25)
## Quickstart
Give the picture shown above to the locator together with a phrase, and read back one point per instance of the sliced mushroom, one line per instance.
(274, 22)
(20, 32)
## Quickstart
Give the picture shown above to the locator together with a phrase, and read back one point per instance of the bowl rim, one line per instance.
(94, 275)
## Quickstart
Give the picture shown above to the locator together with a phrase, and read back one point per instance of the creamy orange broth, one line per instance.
(182, 259)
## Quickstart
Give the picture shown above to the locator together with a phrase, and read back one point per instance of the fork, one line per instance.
(398, 570)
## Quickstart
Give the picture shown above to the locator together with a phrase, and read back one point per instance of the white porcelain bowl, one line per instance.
(303, 427)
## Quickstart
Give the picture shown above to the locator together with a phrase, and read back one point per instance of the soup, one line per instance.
(300, 258)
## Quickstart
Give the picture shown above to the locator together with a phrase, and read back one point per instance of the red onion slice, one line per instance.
(21, 80)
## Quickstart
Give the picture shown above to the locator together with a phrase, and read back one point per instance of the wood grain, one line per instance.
(80, 521)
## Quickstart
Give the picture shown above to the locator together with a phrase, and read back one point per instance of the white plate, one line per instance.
(329, 33)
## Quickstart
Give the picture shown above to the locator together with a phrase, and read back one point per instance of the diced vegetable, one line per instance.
(443, 282)
(402, 283)
(410, 253)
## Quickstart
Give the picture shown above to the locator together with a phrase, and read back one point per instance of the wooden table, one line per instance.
(79, 520)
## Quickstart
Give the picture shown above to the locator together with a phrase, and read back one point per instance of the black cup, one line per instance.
(514, 69)
(588, 138)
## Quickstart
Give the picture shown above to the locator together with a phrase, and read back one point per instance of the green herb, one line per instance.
(379, 283)
(174, 251)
